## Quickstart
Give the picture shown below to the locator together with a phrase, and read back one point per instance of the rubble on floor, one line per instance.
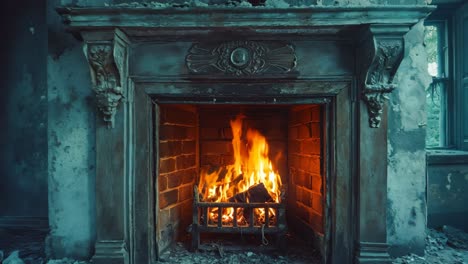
(447, 245)
(26, 246)
(13, 258)
(444, 246)
(297, 253)
(27, 243)
(65, 261)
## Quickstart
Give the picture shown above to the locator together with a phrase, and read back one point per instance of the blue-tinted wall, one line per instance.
(23, 114)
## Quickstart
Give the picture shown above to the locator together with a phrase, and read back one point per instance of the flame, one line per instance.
(251, 166)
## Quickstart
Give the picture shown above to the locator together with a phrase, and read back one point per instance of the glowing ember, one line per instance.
(252, 167)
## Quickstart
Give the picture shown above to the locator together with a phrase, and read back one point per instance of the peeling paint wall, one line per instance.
(406, 216)
(448, 195)
(23, 114)
(71, 145)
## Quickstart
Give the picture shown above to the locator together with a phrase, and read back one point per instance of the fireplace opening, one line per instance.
(254, 170)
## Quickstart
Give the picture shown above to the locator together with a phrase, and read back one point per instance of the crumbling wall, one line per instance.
(23, 116)
(447, 195)
(406, 217)
(23, 119)
(71, 144)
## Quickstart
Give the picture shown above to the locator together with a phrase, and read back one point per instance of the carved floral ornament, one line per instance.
(241, 58)
(246, 58)
(379, 76)
(105, 80)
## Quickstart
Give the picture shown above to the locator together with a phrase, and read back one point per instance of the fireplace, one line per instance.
(198, 139)
(239, 160)
(312, 81)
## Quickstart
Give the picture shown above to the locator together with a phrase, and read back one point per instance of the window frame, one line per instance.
(453, 152)
(445, 72)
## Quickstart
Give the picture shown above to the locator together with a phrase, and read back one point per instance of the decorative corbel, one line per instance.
(105, 79)
(384, 55)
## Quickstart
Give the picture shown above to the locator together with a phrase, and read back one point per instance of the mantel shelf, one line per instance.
(125, 17)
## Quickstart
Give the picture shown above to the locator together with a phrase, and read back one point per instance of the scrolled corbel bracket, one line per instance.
(375, 100)
(381, 52)
(105, 77)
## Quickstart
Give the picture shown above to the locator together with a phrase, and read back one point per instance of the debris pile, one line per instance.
(443, 246)
(65, 261)
(447, 245)
(298, 252)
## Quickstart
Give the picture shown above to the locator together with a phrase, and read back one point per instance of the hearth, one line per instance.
(312, 81)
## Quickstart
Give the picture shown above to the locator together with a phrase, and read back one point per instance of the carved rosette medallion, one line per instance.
(379, 77)
(241, 58)
(105, 78)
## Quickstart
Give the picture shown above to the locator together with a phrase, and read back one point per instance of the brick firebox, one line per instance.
(192, 137)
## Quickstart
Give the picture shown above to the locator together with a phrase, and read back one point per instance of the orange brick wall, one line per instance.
(216, 136)
(177, 170)
(306, 194)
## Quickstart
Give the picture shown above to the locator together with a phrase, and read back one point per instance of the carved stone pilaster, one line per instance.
(105, 79)
(382, 56)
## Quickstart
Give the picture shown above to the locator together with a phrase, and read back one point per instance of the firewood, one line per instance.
(239, 198)
(255, 194)
(237, 179)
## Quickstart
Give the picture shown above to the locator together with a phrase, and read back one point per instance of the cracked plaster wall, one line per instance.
(71, 139)
(447, 196)
(23, 114)
(71, 144)
(406, 215)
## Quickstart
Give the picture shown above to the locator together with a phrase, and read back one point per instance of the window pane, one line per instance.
(434, 99)
(435, 93)
(431, 42)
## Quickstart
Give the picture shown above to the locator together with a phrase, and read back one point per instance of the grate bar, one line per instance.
(201, 209)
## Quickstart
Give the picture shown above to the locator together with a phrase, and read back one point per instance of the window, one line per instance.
(435, 39)
(446, 39)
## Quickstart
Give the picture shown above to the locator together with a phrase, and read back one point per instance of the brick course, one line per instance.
(304, 154)
(177, 147)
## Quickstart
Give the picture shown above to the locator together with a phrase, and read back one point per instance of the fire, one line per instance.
(251, 167)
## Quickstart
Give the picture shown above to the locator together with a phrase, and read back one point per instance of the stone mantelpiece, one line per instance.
(144, 60)
(315, 18)
(382, 46)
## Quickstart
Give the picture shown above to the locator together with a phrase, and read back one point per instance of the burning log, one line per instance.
(255, 194)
